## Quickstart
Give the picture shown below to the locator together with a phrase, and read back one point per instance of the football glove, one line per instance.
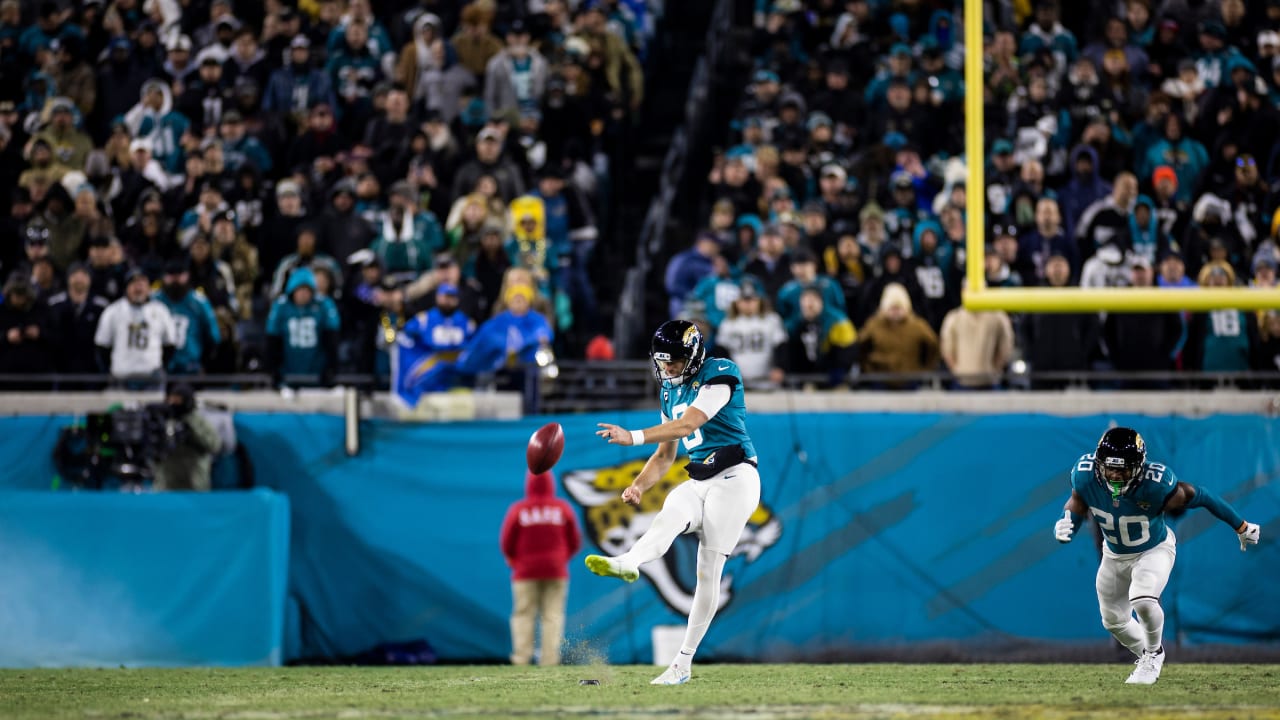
(1064, 528)
(1249, 536)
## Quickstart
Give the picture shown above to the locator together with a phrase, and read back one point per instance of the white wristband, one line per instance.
(637, 437)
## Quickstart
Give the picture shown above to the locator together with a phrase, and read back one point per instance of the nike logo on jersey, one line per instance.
(723, 367)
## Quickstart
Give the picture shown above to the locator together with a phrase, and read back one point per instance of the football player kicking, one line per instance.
(703, 406)
(1129, 498)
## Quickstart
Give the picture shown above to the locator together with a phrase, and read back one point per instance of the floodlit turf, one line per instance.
(717, 691)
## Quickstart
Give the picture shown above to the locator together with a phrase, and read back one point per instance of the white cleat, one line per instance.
(1148, 668)
(674, 675)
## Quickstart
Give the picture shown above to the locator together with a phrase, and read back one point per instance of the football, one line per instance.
(545, 448)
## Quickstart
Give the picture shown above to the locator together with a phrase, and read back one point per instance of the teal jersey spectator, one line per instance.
(1220, 341)
(1059, 40)
(379, 42)
(877, 90)
(716, 294)
(1186, 156)
(195, 328)
(247, 149)
(163, 127)
(834, 328)
(788, 306)
(1134, 521)
(302, 327)
(1215, 67)
(353, 75)
(409, 248)
(727, 427)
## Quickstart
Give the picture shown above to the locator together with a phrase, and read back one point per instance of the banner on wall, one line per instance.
(874, 531)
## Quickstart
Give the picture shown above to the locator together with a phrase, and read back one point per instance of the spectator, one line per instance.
(1173, 270)
(246, 61)
(489, 161)
(895, 339)
(1084, 189)
(1221, 340)
(1108, 268)
(527, 247)
(188, 466)
(70, 146)
(820, 340)
(512, 337)
(239, 148)
(73, 320)
(714, 294)
(1267, 351)
(844, 262)
(1142, 341)
(210, 276)
(440, 334)
(106, 265)
(1059, 342)
(771, 265)
(388, 137)
(353, 71)
(752, 334)
(892, 270)
(230, 245)
(1145, 237)
(475, 44)
(205, 97)
(315, 151)
(302, 333)
(306, 256)
(469, 293)
(516, 77)
(539, 536)
(621, 70)
(136, 332)
(295, 88)
(687, 269)
(409, 237)
(343, 231)
(24, 329)
(489, 263)
(976, 346)
(933, 261)
(1185, 155)
(1045, 241)
(195, 327)
(1107, 219)
(804, 275)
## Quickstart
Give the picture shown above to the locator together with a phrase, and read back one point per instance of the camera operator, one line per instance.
(186, 465)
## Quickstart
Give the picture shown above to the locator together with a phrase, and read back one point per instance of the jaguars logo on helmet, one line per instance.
(614, 526)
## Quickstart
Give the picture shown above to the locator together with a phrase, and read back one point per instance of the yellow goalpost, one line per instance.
(1048, 300)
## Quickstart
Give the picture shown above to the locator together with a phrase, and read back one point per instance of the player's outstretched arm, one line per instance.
(1186, 496)
(1073, 514)
(683, 426)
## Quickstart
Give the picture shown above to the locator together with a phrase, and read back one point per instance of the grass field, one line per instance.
(1008, 691)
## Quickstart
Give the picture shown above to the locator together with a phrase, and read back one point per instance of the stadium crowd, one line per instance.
(282, 187)
(1137, 148)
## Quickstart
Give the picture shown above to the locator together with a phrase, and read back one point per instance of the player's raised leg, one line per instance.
(680, 513)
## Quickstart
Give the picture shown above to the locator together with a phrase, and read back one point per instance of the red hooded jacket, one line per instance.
(540, 533)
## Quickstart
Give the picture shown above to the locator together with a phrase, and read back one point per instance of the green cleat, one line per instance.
(610, 567)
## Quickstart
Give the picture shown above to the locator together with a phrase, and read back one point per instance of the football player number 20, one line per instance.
(694, 439)
(1122, 530)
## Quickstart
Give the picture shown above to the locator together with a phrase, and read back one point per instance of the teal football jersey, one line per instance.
(1135, 521)
(727, 427)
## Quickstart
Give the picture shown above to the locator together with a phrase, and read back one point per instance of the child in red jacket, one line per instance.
(539, 536)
